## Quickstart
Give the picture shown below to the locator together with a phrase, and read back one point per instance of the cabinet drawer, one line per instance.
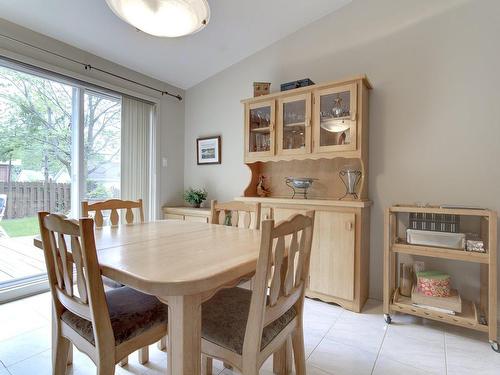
(333, 254)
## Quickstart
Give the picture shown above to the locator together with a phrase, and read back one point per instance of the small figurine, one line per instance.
(261, 190)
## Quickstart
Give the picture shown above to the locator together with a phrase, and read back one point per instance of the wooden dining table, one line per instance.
(183, 264)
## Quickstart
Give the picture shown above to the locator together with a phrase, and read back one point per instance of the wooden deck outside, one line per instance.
(19, 259)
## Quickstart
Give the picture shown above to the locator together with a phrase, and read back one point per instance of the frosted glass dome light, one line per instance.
(166, 18)
(335, 126)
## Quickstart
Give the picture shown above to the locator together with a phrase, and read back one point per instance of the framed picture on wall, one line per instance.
(208, 150)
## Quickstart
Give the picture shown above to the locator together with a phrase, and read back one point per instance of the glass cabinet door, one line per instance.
(260, 129)
(294, 124)
(335, 118)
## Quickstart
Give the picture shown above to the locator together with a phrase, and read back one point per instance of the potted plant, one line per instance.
(195, 196)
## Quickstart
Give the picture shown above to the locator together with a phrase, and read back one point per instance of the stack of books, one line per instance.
(447, 305)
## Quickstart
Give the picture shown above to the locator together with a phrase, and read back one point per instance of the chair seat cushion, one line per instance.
(224, 320)
(131, 313)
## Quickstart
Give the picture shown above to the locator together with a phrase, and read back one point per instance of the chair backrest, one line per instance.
(69, 244)
(113, 205)
(284, 259)
(236, 213)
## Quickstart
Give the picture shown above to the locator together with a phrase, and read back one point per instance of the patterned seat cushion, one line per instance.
(131, 313)
(224, 320)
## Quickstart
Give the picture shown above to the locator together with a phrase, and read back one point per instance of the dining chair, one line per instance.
(242, 327)
(107, 326)
(236, 214)
(113, 205)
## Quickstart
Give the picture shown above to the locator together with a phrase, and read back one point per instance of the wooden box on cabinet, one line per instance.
(187, 213)
(340, 254)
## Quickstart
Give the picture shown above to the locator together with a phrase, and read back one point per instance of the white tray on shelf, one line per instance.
(438, 239)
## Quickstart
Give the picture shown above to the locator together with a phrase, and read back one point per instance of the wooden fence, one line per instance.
(25, 199)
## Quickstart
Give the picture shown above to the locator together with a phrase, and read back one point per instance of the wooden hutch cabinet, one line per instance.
(317, 131)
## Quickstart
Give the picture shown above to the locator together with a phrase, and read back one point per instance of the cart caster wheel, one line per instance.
(495, 346)
(387, 318)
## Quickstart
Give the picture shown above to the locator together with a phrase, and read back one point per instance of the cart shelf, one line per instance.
(468, 318)
(440, 252)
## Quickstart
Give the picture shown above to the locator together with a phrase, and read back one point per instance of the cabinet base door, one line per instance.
(332, 254)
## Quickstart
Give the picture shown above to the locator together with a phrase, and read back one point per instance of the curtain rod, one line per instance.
(11, 63)
(90, 67)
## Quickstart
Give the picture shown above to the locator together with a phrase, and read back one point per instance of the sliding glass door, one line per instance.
(59, 144)
(35, 167)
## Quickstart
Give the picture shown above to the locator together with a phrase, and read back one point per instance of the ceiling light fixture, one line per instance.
(166, 18)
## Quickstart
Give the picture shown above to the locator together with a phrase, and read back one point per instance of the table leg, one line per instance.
(184, 335)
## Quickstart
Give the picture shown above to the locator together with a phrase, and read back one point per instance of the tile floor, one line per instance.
(337, 342)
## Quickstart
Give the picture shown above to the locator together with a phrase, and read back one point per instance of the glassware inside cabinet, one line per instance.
(336, 118)
(260, 129)
(294, 124)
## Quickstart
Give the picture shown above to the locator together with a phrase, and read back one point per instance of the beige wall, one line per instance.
(435, 113)
(170, 127)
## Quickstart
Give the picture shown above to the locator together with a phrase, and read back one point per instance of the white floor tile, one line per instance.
(311, 341)
(366, 334)
(311, 370)
(3, 369)
(469, 355)
(417, 328)
(386, 366)
(415, 351)
(19, 317)
(41, 304)
(326, 309)
(318, 321)
(40, 364)
(371, 310)
(25, 345)
(340, 359)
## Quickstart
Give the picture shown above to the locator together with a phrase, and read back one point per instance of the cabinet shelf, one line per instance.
(295, 125)
(342, 118)
(467, 318)
(265, 129)
(440, 252)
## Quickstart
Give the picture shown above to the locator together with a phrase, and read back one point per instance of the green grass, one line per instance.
(27, 226)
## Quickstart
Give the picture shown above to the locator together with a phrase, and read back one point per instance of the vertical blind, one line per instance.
(137, 118)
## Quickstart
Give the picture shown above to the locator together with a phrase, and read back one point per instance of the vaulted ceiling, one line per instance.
(237, 29)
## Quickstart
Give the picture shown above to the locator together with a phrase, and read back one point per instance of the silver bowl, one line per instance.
(299, 184)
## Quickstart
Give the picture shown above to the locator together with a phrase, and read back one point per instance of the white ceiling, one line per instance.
(237, 29)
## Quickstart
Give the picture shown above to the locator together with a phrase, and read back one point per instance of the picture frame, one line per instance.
(208, 150)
